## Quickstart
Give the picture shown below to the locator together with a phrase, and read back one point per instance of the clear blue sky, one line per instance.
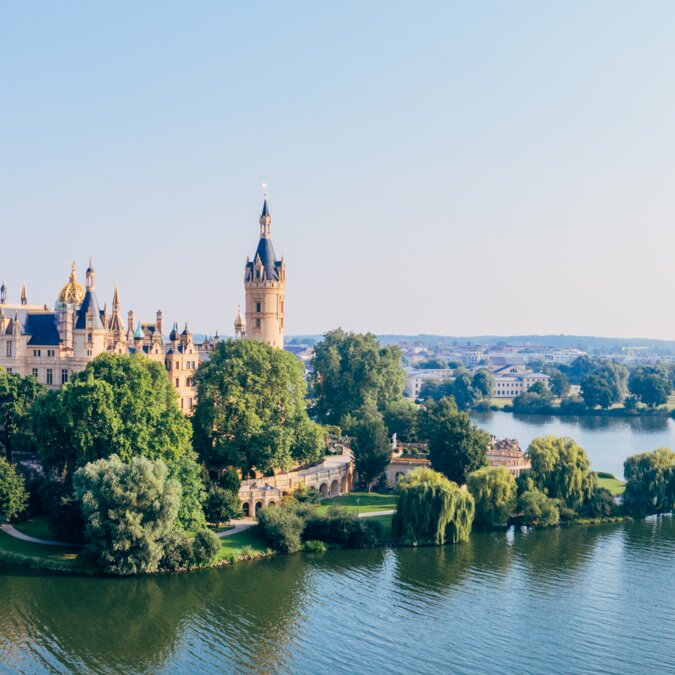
(455, 168)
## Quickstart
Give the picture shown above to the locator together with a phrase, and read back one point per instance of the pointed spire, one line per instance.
(24, 295)
(90, 275)
(3, 293)
(265, 218)
(116, 298)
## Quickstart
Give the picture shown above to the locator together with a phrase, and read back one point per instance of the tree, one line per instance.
(605, 385)
(650, 482)
(561, 469)
(483, 384)
(17, 395)
(463, 392)
(400, 418)
(124, 406)
(251, 409)
(128, 510)
(537, 397)
(558, 383)
(456, 446)
(596, 391)
(205, 547)
(494, 492)
(350, 371)
(221, 505)
(432, 510)
(650, 384)
(435, 391)
(538, 509)
(372, 450)
(13, 494)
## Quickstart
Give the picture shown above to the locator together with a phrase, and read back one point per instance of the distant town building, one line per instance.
(415, 378)
(514, 379)
(506, 452)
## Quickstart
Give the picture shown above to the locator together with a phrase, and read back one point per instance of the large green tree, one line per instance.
(13, 495)
(651, 385)
(350, 371)
(558, 382)
(431, 509)
(129, 508)
(17, 395)
(561, 469)
(650, 482)
(124, 406)
(596, 391)
(251, 409)
(494, 491)
(456, 445)
(400, 418)
(372, 450)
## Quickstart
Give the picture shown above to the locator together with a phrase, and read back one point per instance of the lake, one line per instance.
(581, 599)
(607, 440)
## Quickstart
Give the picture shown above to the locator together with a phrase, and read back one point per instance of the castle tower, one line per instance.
(265, 284)
(90, 335)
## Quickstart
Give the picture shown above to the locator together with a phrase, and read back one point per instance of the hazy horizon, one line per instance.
(445, 168)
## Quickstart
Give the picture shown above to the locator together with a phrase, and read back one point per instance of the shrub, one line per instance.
(281, 527)
(177, 552)
(538, 509)
(205, 547)
(315, 546)
(306, 494)
(339, 527)
(601, 504)
(66, 521)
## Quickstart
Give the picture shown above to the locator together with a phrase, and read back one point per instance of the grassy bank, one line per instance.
(37, 556)
(367, 503)
(614, 485)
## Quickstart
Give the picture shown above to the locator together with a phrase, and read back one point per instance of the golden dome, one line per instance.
(72, 293)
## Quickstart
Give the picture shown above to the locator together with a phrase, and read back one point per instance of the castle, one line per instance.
(51, 345)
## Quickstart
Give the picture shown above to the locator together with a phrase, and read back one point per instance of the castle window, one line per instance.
(37, 352)
(257, 307)
(64, 376)
(177, 382)
(10, 370)
(50, 376)
(9, 349)
(189, 404)
(35, 373)
(257, 323)
(89, 352)
(50, 352)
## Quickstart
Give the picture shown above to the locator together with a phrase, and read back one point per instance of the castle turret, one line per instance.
(239, 325)
(265, 284)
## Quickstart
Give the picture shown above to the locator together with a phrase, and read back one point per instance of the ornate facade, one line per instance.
(265, 286)
(51, 345)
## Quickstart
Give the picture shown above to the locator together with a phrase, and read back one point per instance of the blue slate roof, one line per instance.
(271, 265)
(90, 301)
(42, 329)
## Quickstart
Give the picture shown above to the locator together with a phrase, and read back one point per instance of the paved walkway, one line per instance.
(372, 514)
(13, 532)
(239, 526)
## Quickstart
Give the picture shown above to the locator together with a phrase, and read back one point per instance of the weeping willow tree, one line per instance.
(432, 509)
(494, 491)
(650, 482)
(561, 469)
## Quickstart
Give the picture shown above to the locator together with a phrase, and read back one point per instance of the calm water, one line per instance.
(607, 440)
(584, 599)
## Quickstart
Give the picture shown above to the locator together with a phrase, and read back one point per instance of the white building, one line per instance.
(513, 380)
(415, 378)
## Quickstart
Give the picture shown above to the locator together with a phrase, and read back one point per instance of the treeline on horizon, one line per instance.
(587, 343)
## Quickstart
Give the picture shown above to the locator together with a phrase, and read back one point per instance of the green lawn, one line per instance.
(59, 554)
(35, 527)
(500, 402)
(671, 402)
(367, 502)
(234, 544)
(614, 485)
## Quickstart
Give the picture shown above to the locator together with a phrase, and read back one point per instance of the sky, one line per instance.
(453, 168)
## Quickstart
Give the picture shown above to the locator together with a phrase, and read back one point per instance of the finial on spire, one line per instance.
(24, 294)
(73, 276)
(90, 275)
